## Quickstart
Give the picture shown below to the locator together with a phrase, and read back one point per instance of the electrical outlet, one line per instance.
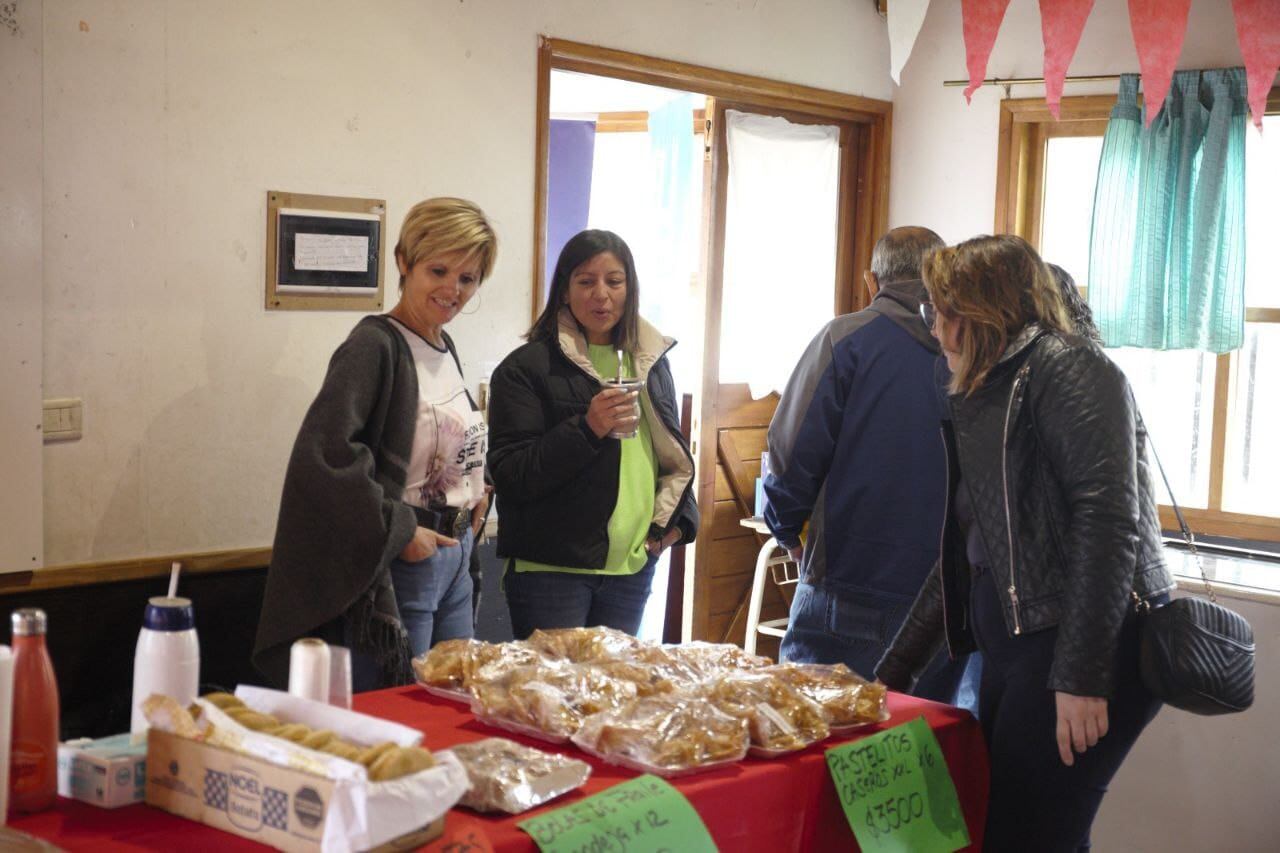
(63, 419)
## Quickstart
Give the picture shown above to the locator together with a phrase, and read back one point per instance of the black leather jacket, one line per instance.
(1053, 455)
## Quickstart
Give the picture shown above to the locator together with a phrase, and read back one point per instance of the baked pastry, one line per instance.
(666, 734)
(846, 698)
(582, 645)
(400, 761)
(384, 760)
(552, 698)
(698, 661)
(778, 717)
(647, 677)
(457, 664)
(224, 701)
(251, 719)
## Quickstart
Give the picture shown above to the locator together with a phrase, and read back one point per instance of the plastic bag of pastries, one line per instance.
(846, 698)
(669, 734)
(779, 718)
(549, 700)
(457, 664)
(583, 645)
(513, 778)
(698, 661)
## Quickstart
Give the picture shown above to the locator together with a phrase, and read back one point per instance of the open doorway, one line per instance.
(629, 158)
(793, 191)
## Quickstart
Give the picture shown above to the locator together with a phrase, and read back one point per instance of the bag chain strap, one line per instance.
(1182, 523)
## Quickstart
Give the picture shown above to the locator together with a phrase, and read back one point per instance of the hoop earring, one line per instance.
(480, 298)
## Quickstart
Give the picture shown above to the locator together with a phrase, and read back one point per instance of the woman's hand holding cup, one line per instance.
(614, 409)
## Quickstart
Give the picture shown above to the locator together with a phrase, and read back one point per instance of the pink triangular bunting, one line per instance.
(1159, 27)
(981, 23)
(1061, 23)
(1258, 31)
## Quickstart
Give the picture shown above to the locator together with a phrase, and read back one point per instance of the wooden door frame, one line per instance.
(864, 184)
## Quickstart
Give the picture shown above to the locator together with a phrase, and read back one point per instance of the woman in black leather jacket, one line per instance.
(1050, 532)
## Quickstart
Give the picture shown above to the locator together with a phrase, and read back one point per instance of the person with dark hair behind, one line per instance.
(585, 515)
(1079, 311)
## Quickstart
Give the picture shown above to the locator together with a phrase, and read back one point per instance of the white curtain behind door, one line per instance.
(780, 246)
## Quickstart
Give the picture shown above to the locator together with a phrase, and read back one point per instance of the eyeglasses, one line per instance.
(929, 314)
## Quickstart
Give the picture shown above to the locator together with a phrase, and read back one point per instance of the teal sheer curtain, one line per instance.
(1166, 251)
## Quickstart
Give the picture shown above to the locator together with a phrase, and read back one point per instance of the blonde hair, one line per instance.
(439, 226)
(992, 287)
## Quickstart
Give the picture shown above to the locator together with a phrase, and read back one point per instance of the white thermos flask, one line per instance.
(168, 656)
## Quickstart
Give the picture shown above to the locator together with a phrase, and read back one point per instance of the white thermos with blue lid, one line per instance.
(168, 656)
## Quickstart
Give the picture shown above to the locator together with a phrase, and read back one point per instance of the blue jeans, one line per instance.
(568, 600)
(434, 595)
(856, 628)
(434, 599)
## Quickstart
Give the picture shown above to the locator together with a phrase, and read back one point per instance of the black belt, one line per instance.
(452, 521)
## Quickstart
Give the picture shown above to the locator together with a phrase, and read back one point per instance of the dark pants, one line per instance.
(1037, 802)
(855, 628)
(569, 600)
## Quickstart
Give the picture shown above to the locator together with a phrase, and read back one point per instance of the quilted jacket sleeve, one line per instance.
(918, 640)
(1086, 424)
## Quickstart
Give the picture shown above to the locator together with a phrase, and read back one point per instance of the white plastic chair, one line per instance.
(783, 570)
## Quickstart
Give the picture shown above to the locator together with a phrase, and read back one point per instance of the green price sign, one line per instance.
(644, 815)
(897, 792)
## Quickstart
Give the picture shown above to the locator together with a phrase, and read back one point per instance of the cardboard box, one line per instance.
(283, 794)
(107, 772)
(280, 806)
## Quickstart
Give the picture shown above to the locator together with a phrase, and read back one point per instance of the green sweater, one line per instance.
(637, 483)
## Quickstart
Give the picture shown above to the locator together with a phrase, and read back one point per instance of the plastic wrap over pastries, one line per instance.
(846, 698)
(457, 664)
(583, 645)
(552, 698)
(698, 661)
(510, 777)
(665, 734)
(779, 718)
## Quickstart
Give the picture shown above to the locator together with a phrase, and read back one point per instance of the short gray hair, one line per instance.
(899, 254)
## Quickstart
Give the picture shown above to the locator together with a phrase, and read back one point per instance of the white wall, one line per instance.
(943, 174)
(1204, 783)
(1192, 783)
(166, 122)
(21, 539)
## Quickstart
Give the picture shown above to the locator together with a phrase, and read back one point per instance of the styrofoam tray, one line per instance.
(522, 729)
(453, 695)
(837, 731)
(665, 772)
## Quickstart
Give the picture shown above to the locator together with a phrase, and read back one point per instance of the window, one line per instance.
(1210, 417)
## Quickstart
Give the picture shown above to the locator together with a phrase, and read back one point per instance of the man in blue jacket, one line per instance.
(855, 453)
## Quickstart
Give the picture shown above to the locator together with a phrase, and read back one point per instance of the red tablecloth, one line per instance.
(783, 804)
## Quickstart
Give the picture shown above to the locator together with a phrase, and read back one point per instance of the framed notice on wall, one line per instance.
(324, 252)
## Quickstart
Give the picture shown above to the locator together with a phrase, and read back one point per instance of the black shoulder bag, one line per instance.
(1195, 655)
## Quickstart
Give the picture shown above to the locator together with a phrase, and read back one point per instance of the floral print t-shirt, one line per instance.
(446, 467)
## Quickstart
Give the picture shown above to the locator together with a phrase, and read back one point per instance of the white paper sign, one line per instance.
(331, 252)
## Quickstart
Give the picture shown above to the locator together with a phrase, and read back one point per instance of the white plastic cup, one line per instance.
(340, 677)
(167, 660)
(309, 662)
